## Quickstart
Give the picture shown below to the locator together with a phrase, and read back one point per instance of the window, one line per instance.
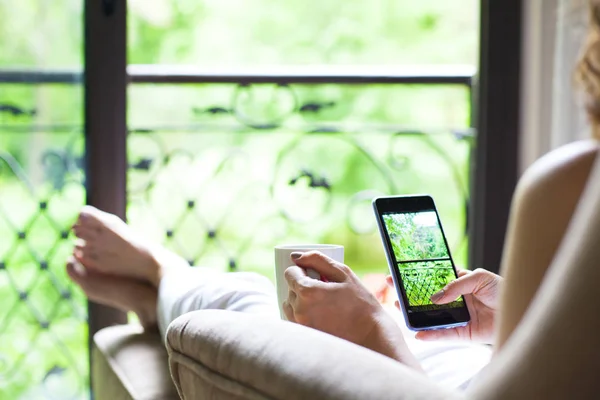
(250, 123)
(240, 162)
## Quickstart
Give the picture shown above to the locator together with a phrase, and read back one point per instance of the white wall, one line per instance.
(551, 113)
(537, 74)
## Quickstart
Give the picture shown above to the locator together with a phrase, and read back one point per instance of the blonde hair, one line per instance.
(587, 71)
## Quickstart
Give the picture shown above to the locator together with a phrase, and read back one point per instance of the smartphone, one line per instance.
(419, 260)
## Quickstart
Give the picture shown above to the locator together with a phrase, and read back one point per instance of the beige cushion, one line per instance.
(228, 355)
(128, 364)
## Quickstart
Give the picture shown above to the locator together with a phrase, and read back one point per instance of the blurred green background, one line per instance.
(209, 184)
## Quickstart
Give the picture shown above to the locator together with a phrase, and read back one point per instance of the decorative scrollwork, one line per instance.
(263, 107)
(16, 111)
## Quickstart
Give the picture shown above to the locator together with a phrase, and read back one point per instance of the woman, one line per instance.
(544, 331)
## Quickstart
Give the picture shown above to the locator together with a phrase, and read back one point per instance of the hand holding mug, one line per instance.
(342, 306)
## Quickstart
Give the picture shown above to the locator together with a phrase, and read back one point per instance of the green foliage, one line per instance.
(43, 329)
(412, 240)
(310, 32)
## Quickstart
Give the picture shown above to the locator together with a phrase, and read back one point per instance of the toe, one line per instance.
(85, 232)
(97, 217)
(90, 282)
(75, 271)
(90, 217)
(86, 256)
(73, 274)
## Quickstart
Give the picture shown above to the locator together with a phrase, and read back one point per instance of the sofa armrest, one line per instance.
(229, 355)
(129, 364)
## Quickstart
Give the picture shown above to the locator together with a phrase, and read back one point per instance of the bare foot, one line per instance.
(125, 294)
(109, 246)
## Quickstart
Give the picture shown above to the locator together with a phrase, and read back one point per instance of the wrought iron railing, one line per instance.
(244, 172)
(421, 283)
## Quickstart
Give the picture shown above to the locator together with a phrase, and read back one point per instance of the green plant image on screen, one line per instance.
(421, 256)
(415, 236)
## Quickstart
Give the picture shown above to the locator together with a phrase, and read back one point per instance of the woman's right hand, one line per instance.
(481, 290)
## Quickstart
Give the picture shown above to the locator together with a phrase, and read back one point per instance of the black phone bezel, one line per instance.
(419, 320)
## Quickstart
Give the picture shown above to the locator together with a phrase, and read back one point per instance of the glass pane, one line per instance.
(222, 172)
(43, 329)
(301, 32)
(259, 165)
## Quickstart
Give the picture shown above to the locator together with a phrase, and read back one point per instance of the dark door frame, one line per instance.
(105, 81)
(497, 114)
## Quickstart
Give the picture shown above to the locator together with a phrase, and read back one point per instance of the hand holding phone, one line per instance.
(419, 260)
(481, 290)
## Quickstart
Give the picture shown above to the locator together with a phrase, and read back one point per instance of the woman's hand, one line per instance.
(481, 289)
(341, 306)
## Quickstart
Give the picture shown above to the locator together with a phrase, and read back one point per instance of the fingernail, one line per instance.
(295, 255)
(72, 267)
(423, 338)
(436, 296)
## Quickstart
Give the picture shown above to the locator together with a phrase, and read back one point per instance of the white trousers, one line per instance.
(451, 364)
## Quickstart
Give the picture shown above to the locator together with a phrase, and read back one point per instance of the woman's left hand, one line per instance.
(481, 291)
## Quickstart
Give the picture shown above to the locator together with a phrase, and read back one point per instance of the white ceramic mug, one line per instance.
(283, 261)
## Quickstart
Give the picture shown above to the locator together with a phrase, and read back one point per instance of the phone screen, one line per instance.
(419, 260)
(421, 256)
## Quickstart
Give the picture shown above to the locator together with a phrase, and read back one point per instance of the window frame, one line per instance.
(495, 105)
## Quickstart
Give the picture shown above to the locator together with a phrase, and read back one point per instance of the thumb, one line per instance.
(439, 334)
(466, 284)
